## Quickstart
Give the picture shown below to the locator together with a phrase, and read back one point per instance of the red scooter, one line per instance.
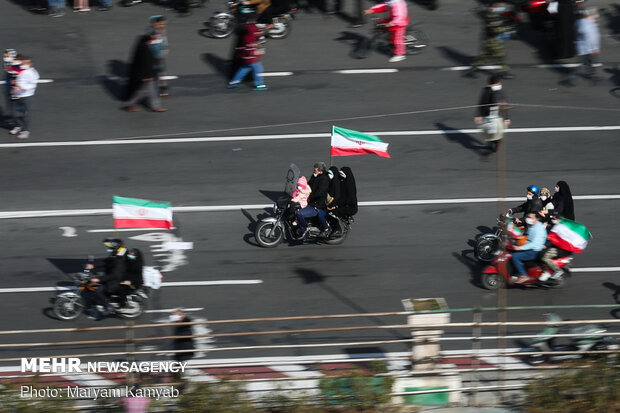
(502, 269)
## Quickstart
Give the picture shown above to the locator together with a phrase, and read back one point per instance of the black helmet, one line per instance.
(113, 243)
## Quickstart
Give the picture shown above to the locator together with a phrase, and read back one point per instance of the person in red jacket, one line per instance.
(396, 23)
(249, 52)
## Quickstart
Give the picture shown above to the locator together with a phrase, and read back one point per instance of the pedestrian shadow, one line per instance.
(456, 56)
(464, 139)
(356, 41)
(616, 290)
(466, 257)
(222, 66)
(115, 82)
(428, 4)
(613, 20)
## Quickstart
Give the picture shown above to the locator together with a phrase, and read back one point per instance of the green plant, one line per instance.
(356, 390)
(223, 397)
(14, 400)
(588, 388)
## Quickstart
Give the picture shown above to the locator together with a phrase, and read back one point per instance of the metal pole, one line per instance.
(476, 331)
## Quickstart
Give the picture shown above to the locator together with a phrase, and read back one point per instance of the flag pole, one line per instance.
(331, 157)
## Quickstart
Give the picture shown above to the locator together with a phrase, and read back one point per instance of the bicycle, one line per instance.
(415, 40)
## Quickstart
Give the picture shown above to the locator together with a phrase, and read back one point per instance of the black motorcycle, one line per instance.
(272, 230)
(79, 298)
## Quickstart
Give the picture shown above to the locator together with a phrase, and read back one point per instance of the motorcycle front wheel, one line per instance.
(68, 307)
(268, 234)
(486, 248)
(221, 26)
(490, 281)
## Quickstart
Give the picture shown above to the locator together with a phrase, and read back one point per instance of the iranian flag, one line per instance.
(140, 213)
(569, 235)
(350, 142)
(514, 230)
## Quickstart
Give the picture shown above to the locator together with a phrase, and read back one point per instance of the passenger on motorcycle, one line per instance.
(547, 210)
(114, 270)
(319, 184)
(532, 204)
(396, 23)
(334, 192)
(132, 279)
(348, 194)
(552, 251)
(536, 237)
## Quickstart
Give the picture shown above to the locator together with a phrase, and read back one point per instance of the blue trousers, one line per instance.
(257, 71)
(520, 256)
(309, 212)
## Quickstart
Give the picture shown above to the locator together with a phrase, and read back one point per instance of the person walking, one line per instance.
(159, 47)
(493, 49)
(492, 112)
(22, 91)
(250, 52)
(587, 45)
(142, 78)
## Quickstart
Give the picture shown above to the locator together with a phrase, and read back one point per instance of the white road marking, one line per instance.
(126, 229)
(165, 284)
(595, 269)
(277, 74)
(296, 136)
(223, 208)
(170, 310)
(68, 231)
(364, 71)
(3, 82)
(169, 77)
(177, 245)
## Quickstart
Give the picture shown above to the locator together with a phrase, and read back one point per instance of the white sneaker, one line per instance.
(23, 135)
(544, 276)
(15, 130)
(557, 274)
(398, 58)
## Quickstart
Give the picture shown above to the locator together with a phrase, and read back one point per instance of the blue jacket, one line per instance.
(536, 237)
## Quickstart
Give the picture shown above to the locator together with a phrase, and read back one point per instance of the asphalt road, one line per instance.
(393, 252)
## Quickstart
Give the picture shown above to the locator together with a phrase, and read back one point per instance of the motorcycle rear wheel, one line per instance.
(486, 248)
(268, 234)
(339, 238)
(221, 26)
(279, 34)
(490, 281)
(133, 309)
(68, 308)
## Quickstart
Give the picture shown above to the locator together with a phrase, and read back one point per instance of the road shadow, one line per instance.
(68, 265)
(249, 238)
(114, 82)
(466, 140)
(311, 276)
(466, 257)
(612, 18)
(616, 290)
(222, 66)
(356, 42)
(427, 4)
(272, 195)
(456, 56)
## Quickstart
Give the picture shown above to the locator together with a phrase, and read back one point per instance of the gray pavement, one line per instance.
(393, 252)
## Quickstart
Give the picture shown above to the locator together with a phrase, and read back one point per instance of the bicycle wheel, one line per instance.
(416, 40)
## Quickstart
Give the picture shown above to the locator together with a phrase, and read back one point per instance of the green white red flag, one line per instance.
(569, 235)
(514, 230)
(350, 142)
(140, 213)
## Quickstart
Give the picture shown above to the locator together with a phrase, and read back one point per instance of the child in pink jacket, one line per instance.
(397, 22)
(300, 195)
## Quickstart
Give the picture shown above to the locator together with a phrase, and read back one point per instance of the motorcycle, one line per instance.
(502, 268)
(489, 245)
(68, 305)
(589, 338)
(271, 231)
(222, 24)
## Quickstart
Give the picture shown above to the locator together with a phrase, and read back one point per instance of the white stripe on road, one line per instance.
(363, 71)
(165, 284)
(130, 141)
(277, 74)
(595, 269)
(3, 82)
(223, 208)
(169, 310)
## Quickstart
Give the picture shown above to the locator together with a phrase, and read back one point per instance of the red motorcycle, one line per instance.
(502, 270)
